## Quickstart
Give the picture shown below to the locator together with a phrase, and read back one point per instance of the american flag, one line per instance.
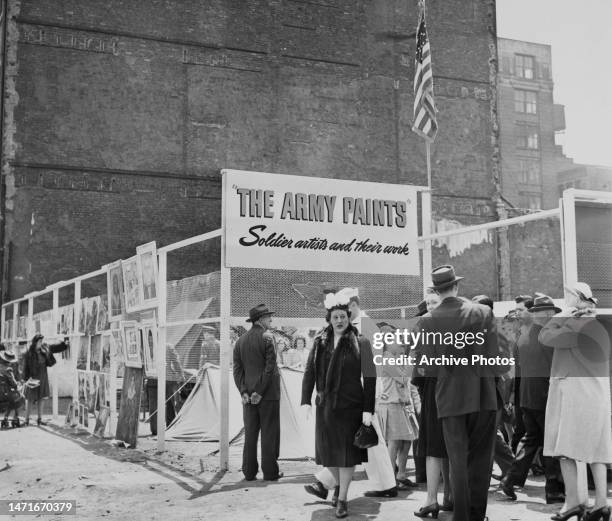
(425, 123)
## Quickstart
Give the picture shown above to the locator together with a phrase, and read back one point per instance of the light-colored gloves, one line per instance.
(366, 418)
(245, 398)
(255, 398)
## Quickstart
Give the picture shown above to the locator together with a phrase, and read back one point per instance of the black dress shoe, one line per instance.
(390, 492)
(556, 497)
(251, 478)
(407, 482)
(507, 488)
(334, 500)
(599, 514)
(317, 489)
(432, 510)
(577, 511)
(275, 478)
(341, 509)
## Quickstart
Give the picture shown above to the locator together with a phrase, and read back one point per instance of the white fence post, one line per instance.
(162, 275)
(55, 381)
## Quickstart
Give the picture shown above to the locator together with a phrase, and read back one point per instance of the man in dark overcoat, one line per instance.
(257, 378)
(536, 361)
(465, 394)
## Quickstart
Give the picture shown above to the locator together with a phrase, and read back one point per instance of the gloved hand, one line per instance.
(245, 398)
(307, 411)
(255, 398)
(366, 418)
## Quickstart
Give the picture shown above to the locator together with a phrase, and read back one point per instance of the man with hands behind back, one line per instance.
(257, 378)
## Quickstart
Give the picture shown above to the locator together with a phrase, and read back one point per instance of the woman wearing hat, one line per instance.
(10, 396)
(578, 426)
(337, 362)
(38, 357)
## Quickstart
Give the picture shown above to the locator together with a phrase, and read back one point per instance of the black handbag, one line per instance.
(366, 437)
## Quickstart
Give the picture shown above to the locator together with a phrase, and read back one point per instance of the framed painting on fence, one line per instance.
(101, 422)
(147, 263)
(102, 323)
(118, 351)
(132, 344)
(92, 391)
(149, 344)
(65, 326)
(82, 350)
(82, 325)
(106, 352)
(95, 359)
(92, 315)
(116, 291)
(132, 284)
(81, 387)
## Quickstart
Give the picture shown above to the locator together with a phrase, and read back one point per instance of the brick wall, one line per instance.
(120, 115)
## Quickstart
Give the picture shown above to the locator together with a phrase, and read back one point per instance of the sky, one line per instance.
(580, 37)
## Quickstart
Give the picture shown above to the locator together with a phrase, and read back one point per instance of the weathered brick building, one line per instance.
(118, 116)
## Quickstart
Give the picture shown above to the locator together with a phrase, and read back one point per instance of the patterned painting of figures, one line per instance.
(132, 284)
(82, 349)
(116, 291)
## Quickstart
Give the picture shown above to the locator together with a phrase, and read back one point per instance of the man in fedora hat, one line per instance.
(465, 394)
(536, 361)
(258, 380)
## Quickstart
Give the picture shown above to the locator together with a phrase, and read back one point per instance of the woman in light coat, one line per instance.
(578, 426)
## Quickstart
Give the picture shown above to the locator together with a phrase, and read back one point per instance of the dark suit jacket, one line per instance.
(255, 368)
(462, 389)
(536, 360)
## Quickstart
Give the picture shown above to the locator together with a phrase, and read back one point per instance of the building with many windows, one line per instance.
(529, 119)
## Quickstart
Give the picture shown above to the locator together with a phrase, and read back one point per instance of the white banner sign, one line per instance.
(310, 223)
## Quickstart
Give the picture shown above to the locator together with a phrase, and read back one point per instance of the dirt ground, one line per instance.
(184, 483)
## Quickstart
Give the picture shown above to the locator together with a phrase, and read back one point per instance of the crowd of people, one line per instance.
(546, 410)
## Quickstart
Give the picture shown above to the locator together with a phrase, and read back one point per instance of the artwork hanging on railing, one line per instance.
(132, 343)
(147, 262)
(116, 292)
(132, 284)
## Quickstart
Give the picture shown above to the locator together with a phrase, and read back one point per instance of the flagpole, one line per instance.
(428, 150)
(427, 222)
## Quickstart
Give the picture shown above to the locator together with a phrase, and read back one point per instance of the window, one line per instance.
(529, 171)
(524, 66)
(525, 101)
(544, 70)
(527, 137)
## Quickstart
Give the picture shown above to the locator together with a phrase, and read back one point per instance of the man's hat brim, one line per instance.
(446, 284)
(255, 319)
(544, 308)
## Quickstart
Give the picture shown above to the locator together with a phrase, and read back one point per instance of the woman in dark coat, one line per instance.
(338, 360)
(38, 357)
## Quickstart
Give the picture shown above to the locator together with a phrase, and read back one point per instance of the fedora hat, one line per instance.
(7, 356)
(443, 277)
(259, 311)
(543, 303)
